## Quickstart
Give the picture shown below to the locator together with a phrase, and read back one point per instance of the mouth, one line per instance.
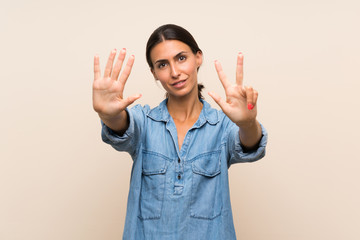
(179, 84)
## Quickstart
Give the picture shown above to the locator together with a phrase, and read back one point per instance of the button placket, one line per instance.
(179, 166)
(179, 181)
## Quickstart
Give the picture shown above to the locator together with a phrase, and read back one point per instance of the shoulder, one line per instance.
(157, 113)
(214, 115)
(140, 108)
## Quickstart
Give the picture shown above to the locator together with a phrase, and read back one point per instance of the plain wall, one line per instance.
(58, 180)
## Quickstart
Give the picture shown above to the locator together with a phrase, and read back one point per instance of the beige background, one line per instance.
(59, 181)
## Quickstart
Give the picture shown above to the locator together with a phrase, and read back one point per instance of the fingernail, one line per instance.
(250, 106)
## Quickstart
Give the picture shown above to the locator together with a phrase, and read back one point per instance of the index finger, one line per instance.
(127, 70)
(239, 69)
(221, 75)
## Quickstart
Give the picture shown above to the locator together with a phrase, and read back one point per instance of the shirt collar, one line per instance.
(207, 114)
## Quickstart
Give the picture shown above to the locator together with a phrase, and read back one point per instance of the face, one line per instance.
(175, 66)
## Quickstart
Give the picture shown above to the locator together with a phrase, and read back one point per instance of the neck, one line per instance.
(184, 108)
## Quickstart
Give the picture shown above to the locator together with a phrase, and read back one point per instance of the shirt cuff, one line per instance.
(245, 155)
(111, 137)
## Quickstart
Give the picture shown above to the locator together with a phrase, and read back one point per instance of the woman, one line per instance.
(181, 149)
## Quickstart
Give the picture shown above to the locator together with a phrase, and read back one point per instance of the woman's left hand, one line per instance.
(240, 105)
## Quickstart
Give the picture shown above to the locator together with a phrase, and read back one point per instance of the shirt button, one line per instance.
(179, 160)
(179, 176)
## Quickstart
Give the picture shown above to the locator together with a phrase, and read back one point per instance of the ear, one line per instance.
(153, 73)
(199, 58)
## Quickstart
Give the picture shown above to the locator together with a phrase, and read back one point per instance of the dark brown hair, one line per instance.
(172, 32)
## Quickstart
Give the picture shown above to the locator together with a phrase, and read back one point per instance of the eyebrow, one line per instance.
(176, 56)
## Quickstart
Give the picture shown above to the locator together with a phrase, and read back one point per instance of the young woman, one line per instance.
(181, 149)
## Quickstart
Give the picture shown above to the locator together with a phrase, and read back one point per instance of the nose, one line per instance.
(175, 73)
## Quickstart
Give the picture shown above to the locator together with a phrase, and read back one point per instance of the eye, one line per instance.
(161, 65)
(182, 58)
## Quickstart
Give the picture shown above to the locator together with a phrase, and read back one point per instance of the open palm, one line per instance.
(108, 98)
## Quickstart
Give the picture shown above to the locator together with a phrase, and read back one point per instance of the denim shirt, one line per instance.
(180, 194)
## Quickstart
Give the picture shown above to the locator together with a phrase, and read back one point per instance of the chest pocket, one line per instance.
(152, 185)
(206, 202)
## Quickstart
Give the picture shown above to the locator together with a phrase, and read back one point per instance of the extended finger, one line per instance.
(109, 64)
(218, 100)
(221, 75)
(118, 64)
(127, 70)
(132, 99)
(250, 97)
(97, 73)
(239, 69)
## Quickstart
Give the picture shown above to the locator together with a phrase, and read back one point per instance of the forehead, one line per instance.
(168, 49)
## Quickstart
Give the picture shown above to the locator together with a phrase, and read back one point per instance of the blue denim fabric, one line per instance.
(180, 194)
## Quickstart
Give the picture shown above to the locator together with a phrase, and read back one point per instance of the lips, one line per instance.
(179, 84)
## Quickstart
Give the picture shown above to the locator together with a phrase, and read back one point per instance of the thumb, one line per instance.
(218, 100)
(132, 99)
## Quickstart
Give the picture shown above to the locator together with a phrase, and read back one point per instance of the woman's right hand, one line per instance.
(108, 100)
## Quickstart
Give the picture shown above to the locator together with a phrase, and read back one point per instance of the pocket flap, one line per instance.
(208, 164)
(153, 164)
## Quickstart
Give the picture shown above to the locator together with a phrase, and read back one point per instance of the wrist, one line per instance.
(247, 124)
(116, 123)
(107, 118)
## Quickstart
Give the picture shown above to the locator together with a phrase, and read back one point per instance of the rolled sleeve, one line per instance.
(239, 155)
(128, 142)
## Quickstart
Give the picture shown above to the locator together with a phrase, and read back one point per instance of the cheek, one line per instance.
(162, 75)
(189, 68)
(164, 85)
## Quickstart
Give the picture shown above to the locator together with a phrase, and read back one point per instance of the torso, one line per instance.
(185, 123)
(182, 128)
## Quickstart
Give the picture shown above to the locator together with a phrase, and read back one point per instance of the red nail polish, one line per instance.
(250, 106)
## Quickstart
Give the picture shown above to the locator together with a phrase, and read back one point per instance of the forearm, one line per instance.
(118, 124)
(250, 134)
